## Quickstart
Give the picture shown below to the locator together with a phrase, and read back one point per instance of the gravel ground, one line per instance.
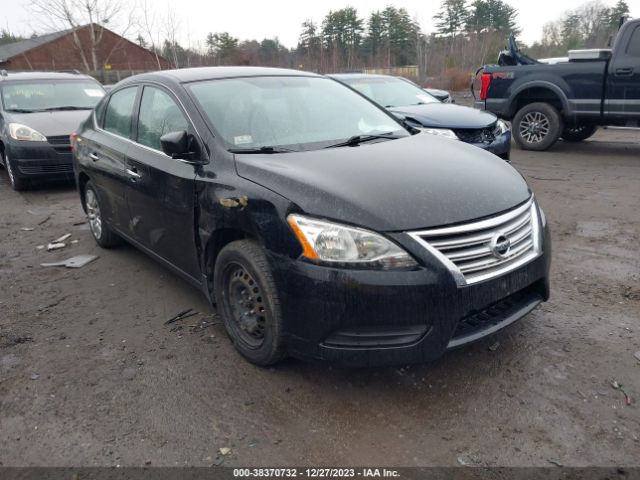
(91, 375)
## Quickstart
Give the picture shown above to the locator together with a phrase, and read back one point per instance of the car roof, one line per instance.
(185, 75)
(9, 75)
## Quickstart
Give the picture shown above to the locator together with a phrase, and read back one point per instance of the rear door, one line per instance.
(161, 196)
(623, 82)
(106, 148)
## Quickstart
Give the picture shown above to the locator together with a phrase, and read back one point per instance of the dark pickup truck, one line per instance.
(568, 99)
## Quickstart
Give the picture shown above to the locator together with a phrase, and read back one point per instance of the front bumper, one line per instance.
(377, 318)
(501, 146)
(41, 159)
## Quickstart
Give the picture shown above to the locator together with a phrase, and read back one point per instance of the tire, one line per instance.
(18, 182)
(248, 301)
(102, 234)
(537, 126)
(578, 133)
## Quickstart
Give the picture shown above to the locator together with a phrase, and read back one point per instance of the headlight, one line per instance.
(18, 131)
(339, 244)
(443, 132)
(501, 127)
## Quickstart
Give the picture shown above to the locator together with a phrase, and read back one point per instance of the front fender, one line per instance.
(238, 208)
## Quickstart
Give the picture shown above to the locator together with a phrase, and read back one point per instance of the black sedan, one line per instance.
(419, 109)
(443, 95)
(318, 225)
(38, 113)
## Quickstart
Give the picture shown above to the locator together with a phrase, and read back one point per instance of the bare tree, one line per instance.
(171, 28)
(95, 14)
(147, 25)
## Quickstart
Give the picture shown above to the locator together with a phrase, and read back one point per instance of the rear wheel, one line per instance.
(248, 301)
(18, 182)
(578, 133)
(103, 235)
(537, 126)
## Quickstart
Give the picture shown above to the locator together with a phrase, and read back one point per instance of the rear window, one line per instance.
(633, 48)
(40, 96)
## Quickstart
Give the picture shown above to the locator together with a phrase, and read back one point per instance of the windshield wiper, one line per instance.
(22, 110)
(65, 107)
(358, 139)
(266, 149)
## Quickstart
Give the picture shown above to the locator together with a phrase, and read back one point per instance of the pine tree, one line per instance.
(451, 18)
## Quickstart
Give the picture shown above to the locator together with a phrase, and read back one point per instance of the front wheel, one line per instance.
(18, 182)
(537, 126)
(578, 133)
(248, 301)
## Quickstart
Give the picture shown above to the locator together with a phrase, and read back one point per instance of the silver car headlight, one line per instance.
(17, 131)
(333, 243)
(501, 127)
(443, 132)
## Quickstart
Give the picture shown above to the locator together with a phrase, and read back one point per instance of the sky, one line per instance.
(258, 19)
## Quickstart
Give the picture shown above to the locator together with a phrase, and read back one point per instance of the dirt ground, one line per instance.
(91, 375)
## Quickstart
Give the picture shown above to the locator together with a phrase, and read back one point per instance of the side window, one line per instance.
(117, 118)
(633, 48)
(100, 108)
(159, 114)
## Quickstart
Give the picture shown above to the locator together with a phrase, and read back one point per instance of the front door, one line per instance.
(161, 193)
(623, 82)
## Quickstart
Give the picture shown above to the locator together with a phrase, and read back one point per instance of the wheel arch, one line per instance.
(219, 239)
(83, 179)
(540, 91)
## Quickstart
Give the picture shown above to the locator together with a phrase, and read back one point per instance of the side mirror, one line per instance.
(180, 146)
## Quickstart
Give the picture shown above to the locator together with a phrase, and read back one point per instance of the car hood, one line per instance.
(51, 124)
(445, 115)
(395, 185)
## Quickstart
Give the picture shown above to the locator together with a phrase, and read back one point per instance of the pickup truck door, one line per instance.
(161, 190)
(623, 82)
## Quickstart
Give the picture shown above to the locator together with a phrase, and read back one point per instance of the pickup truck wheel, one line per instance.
(248, 301)
(578, 133)
(103, 235)
(537, 126)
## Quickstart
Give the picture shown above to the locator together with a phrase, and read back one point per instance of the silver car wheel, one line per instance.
(534, 127)
(7, 165)
(93, 213)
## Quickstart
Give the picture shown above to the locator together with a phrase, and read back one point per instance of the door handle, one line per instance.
(94, 156)
(133, 174)
(624, 72)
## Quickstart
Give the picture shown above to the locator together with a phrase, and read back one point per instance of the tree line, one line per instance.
(468, 33)
(591, 25)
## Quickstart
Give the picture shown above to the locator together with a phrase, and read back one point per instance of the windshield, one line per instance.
(389, 91)
(51, 95)
(298, 113)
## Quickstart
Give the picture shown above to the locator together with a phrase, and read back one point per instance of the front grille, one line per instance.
(479, 135)
(488, 248)
(59, 140)
(36, 169)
